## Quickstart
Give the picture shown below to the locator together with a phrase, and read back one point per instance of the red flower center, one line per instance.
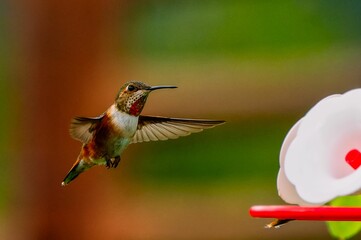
(353, 158)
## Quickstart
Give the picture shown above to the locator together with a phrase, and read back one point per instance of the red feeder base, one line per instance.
(324, 213)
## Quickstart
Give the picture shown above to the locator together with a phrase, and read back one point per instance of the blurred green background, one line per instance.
(259, 65)
(5, 110)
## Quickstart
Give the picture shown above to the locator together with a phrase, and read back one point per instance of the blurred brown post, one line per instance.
(63, 50)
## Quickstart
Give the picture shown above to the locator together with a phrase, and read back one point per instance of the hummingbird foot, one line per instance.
(116, 161)
(112, 162)
(108, 163)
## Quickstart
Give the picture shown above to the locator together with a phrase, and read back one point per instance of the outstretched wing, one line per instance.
(152, 128)
(81, 128)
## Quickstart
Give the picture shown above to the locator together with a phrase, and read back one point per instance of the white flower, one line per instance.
(321, 154)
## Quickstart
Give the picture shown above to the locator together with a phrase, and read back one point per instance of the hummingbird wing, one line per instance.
(151, 128)
(81, 128)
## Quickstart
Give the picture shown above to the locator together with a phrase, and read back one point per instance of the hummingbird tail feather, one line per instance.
(79, 167)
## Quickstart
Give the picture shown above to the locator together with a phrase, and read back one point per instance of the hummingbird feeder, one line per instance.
(320, 160)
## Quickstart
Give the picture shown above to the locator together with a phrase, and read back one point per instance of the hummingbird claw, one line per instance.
(112, 162)
(116, 161)
(108, 163)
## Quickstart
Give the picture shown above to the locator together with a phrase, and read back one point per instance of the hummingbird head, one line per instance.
(133, 95)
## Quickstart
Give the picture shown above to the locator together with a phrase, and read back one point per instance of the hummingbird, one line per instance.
(105, 137)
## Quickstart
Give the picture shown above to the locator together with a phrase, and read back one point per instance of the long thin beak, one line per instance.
(160, 87)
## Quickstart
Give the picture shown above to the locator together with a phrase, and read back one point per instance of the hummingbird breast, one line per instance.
(123, 122)
(114, 133)
(123, 127)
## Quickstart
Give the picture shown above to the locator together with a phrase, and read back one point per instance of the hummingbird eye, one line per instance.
(131, 88)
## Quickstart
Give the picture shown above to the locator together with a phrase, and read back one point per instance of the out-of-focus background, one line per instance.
(259, 65)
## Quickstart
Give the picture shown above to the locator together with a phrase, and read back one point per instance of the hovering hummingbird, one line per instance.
(105, 137)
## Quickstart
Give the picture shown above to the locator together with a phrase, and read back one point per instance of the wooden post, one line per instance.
(63, 50)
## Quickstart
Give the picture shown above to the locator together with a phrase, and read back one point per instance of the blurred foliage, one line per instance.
(345, 230)
(5, 111)
(243, 28)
